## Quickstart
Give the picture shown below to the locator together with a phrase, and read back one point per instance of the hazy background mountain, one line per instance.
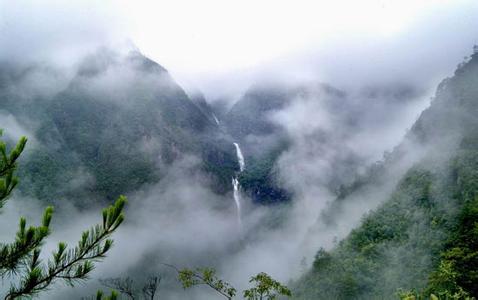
(116, 124)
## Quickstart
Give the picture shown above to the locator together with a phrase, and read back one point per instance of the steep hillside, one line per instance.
(116, 124)
(422, 239)
(198, 99)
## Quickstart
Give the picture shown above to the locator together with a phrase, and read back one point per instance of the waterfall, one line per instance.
(237, 199)
(240, 157)
(235, 182)
(215, 118)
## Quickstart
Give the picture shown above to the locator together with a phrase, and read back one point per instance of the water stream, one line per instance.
(235, 182)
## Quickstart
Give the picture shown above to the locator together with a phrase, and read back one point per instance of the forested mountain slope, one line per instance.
(117, 123)
(422, 240)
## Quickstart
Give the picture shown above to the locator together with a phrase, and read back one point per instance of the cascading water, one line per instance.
(237, 199)
(240, 157)
(215, 118)
(235, 182)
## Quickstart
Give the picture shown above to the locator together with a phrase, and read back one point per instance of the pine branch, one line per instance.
(74, 264)
(7, 168)
(13, 256)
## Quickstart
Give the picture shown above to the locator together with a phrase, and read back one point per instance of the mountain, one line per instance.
(263, 139)
(116, 124)
(267, 121)
(200, 101)
(422, 239)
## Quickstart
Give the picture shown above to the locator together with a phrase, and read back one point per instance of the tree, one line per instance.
(21, 258)
(206, 276)
(265, 287)
(126, 287)
(122, 285)
(151, 287)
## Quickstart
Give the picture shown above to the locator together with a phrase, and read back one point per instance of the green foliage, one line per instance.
(457, 271)
(90, 131)
(21, 259)
(423, 239)
(101, 296)
(207, 276)
(455, 275)
(8, 164)
(266, 288)
(445, 295)
(407, 295)
(259, 178)
(443, 283)
(70, 265)
(394, 247)
(27, 242)
(322, 259)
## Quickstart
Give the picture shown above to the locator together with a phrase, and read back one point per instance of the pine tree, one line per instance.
(21, 259)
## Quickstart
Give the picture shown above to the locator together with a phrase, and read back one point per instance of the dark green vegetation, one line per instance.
(114, 125)
(20, 260)
(422, 242)
(264, 286)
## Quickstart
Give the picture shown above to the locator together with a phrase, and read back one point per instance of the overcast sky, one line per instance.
(226, 44)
